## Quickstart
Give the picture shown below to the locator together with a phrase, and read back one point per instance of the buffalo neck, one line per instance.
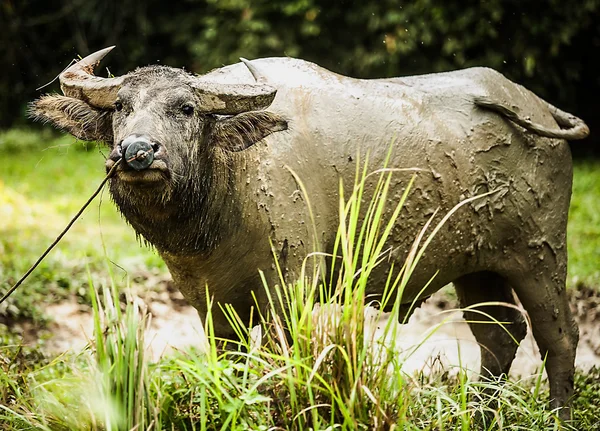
(193, 219)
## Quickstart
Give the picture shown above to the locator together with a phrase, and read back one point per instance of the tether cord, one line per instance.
(62, 234)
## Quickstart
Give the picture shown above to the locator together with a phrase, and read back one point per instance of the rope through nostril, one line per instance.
(140, 156)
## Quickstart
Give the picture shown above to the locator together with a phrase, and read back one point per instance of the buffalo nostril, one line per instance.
(139, 155)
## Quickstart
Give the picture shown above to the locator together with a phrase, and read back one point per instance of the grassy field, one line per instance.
(322, 382)
(584, 225)
(44, 180)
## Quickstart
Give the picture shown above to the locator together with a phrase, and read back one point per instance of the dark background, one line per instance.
(550, 46)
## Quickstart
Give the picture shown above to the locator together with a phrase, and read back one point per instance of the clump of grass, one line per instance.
(335, 373)
(119, 350)
(103, 388)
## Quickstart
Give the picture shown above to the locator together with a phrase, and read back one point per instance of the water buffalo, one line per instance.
(208, 182)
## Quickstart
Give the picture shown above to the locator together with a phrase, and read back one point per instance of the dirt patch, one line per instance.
(172, 325)
(435, 336)
(450, 343)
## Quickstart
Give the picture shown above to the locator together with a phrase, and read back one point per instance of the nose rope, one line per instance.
(65, 230)
(141, 155)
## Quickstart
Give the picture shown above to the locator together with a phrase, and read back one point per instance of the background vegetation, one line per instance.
(547, 45)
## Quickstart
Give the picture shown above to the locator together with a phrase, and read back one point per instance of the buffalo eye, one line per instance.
(187, 109)
(118, 105)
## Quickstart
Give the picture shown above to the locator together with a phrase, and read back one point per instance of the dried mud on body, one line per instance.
(436, 336)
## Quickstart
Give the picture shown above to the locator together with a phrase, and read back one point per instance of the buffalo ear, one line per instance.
(74, 116)
(244, 130)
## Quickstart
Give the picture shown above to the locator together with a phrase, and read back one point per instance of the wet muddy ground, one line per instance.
(436, 335)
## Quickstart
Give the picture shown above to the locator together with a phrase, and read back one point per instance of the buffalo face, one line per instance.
(159, 132)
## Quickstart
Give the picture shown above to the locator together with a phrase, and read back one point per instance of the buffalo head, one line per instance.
(174, 130)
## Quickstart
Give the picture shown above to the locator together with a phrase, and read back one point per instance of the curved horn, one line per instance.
(232, 99)
(258, 76)
(79, 82)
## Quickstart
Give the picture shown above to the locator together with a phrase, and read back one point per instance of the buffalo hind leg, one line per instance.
(498, 343)
(555, 331)
(498, 329)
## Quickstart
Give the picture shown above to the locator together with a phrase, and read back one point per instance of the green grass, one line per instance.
(584, 225)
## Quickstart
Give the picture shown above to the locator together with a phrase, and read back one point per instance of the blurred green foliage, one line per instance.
(547, 45)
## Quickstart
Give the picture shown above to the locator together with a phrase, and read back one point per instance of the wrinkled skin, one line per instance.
(221, 187)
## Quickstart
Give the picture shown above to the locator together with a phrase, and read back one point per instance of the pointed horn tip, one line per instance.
(258, 77)
(93, 58)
